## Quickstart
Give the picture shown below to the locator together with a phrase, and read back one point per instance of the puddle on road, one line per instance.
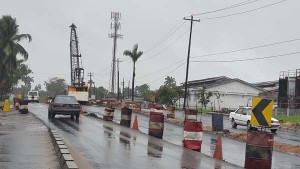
(154, 150)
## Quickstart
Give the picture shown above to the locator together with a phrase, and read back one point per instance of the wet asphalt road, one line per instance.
(108, 145)
(282, 135)
(233, 151)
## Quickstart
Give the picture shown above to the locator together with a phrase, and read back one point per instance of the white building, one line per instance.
(232, 93)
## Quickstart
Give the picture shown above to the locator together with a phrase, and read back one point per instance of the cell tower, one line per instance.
(115, 26)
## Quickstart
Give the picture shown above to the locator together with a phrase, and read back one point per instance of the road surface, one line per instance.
(108, 145)
(233, 151)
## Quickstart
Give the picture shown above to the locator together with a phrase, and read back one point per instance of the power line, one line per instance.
(242, 60)
(160, 70)
(167, 73)
(244, 49)
(239, 13)
(226, 8)
(166, 36)
(167, 46)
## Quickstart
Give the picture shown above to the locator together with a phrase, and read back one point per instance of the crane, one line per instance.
(78, 89)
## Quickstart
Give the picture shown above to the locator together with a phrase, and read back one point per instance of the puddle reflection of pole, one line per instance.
(154, 149)
(125, 139)
(108, 132)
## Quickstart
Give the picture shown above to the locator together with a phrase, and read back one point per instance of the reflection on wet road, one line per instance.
(107, 145)
(233, 151)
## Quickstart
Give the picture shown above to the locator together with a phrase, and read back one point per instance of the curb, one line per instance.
(65, 159)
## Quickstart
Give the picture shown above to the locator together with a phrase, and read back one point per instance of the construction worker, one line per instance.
(20, 96)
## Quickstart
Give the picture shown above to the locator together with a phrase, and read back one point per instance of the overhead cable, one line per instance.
(166, 36)
(160, 69)
(239, 13)
(167, 73)
(228, 7)
(244, 49)
(243, 60)
(167, 46)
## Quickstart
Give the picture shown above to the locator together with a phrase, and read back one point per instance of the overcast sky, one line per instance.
(145, 23)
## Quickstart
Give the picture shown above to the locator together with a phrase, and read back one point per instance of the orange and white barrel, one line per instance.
(126, 117)
(120, 103)
(171, 113)
(191, 115)
(109, 112)
(152, 105)
(156, 124)
(192, 135)
(138, 107)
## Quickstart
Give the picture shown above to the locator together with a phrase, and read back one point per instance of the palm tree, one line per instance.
(134, 55)
(169, 80)
(10, 48)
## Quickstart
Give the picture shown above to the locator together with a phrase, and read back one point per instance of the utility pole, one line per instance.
(128, 89)
(123, 89)
(115, 26)
(188, 61)
(118, 94)
(90, 82)
(94, 89)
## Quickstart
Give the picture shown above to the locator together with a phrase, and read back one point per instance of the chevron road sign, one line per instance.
(261, 112)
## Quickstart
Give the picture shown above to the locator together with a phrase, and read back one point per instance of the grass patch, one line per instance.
(294, 119)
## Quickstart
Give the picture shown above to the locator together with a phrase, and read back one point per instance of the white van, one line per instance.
(33, 96)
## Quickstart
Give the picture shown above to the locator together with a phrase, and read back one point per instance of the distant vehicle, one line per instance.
(65, 105)
(242, 117)
(33, 96)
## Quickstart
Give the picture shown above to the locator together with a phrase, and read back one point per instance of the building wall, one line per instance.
(232, 96)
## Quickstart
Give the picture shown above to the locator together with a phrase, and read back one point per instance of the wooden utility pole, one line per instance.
(90, 82)
(188, 61)
(123, 89)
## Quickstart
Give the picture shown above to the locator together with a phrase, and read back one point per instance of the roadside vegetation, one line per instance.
(13, 56)
(293, 119)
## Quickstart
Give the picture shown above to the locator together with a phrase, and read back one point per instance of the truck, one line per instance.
(33, 96)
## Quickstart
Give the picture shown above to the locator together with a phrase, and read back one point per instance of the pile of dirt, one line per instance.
(281, 147)
(289, 125)
(286, 148)
(238, 136)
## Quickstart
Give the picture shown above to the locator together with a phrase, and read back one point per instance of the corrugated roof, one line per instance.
(217, 81)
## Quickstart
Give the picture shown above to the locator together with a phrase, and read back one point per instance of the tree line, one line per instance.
(13, 56)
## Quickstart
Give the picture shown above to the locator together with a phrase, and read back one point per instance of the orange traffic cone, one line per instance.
(218, 151)
(135, 125)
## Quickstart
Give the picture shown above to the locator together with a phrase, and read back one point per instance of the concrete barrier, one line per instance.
(65, 158)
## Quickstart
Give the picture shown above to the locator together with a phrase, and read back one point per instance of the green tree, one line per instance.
(101, 92)
(204, 96)
(9, 49)
(149, 95)
(169, 80)
(134, 55)
(139, 90)
(166, 95)
(55, 86)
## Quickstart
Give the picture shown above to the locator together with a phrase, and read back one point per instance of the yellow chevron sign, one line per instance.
(261, 112)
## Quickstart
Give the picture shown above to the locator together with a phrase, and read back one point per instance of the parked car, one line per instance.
(242, 116)
(65, 105)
